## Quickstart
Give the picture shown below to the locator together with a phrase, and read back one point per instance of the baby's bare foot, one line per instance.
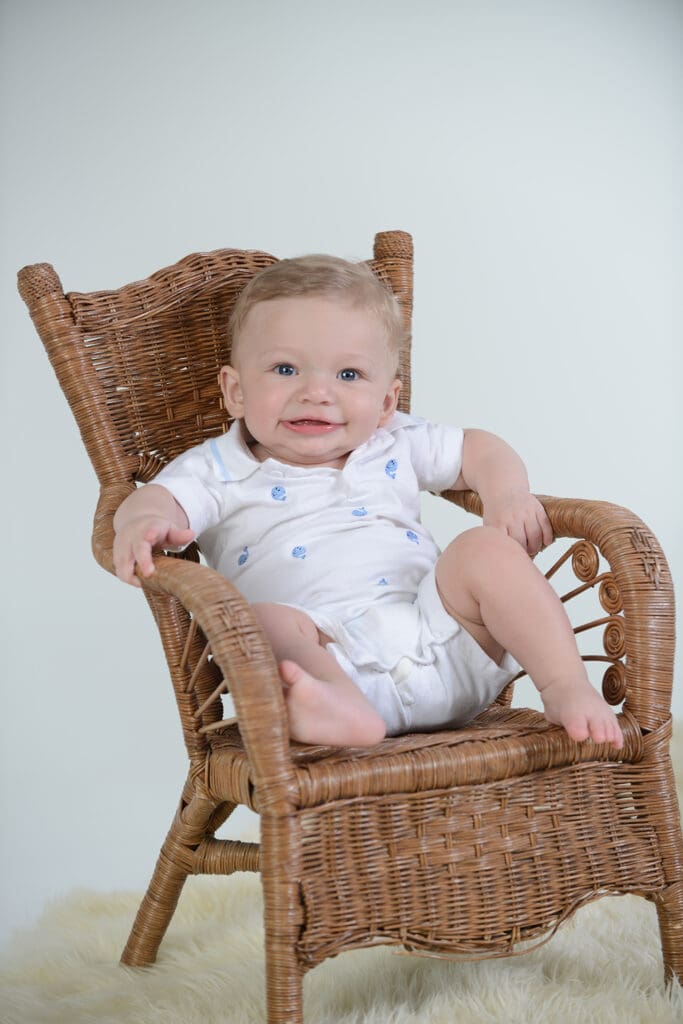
(582, 711)
(333, 713)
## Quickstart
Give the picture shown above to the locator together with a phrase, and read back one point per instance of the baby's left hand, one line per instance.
(520, 515)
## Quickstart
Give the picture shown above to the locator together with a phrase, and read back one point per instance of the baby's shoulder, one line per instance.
(404, 421)
(418, 433)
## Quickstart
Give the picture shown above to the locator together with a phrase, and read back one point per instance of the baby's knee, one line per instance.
(484, 546)
(487, 538)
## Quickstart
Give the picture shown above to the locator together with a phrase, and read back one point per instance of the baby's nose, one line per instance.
(316, 388)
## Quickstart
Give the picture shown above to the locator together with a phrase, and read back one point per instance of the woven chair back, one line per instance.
(139, 365)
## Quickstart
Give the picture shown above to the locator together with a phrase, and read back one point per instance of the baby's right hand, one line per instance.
(135, 542)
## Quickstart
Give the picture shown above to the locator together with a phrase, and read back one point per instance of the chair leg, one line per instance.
(669, 905)
(283, 919)
(154, 914)
(284, 984)
(193, 822)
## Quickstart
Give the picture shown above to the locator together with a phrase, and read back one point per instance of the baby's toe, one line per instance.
(598, 729)
(577, 728)
(617, 737)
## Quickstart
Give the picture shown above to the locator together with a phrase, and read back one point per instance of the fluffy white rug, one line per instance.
(603, 966)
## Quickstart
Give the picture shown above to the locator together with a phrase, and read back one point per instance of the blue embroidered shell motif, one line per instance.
(391, 467)
(384, 582)
(362, 511)
(411, 535)
(278, 494)
(299, 551)
(243, 557)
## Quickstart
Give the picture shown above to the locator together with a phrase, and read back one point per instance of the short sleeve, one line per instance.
(195, 485)
(436, 453)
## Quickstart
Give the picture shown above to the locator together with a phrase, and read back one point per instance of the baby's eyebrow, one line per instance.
(355, 359)
(274, 357)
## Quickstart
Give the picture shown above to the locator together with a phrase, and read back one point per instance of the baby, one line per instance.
(310, 505)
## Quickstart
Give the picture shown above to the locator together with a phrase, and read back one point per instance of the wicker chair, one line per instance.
(464, 842)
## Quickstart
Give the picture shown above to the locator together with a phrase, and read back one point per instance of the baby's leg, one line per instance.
(489, 584)
(323, 704)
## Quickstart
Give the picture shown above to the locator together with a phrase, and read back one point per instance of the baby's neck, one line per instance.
(261, 453)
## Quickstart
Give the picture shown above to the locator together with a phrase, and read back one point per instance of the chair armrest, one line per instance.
(238, 645)
(111, 496)
(643, 579)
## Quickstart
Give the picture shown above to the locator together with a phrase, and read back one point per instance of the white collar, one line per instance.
(235, 461)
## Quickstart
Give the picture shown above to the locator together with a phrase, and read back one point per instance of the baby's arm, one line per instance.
(148, 519)
(493, 469)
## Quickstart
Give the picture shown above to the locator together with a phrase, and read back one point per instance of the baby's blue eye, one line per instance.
(348, 374)
(285, 370)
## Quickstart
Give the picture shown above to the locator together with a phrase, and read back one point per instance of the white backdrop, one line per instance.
(532, 149)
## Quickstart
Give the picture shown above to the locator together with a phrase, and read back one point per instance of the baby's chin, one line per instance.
(301, 459)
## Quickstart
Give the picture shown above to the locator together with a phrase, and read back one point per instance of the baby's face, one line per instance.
(312, 378)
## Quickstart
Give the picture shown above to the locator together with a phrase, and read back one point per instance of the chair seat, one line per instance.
(501, 743)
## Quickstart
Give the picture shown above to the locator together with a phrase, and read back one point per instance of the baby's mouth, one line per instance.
(309, 426)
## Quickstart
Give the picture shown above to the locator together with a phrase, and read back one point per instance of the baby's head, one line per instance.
(352, 284)
(314, 368)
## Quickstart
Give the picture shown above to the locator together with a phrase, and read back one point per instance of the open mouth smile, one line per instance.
(310, 426)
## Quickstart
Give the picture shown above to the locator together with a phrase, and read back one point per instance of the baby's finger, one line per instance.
(124, 565)
(180, 536)
(142, 553)
(517, 533)
(534, 538)
(546, 528)
(126, 573)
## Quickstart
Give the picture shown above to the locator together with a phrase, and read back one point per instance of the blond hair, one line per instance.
(328, 276)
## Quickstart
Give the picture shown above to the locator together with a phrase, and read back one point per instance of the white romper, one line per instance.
(347, 546)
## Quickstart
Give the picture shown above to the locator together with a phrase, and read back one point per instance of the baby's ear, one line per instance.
(390, 402)
(229, 380)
